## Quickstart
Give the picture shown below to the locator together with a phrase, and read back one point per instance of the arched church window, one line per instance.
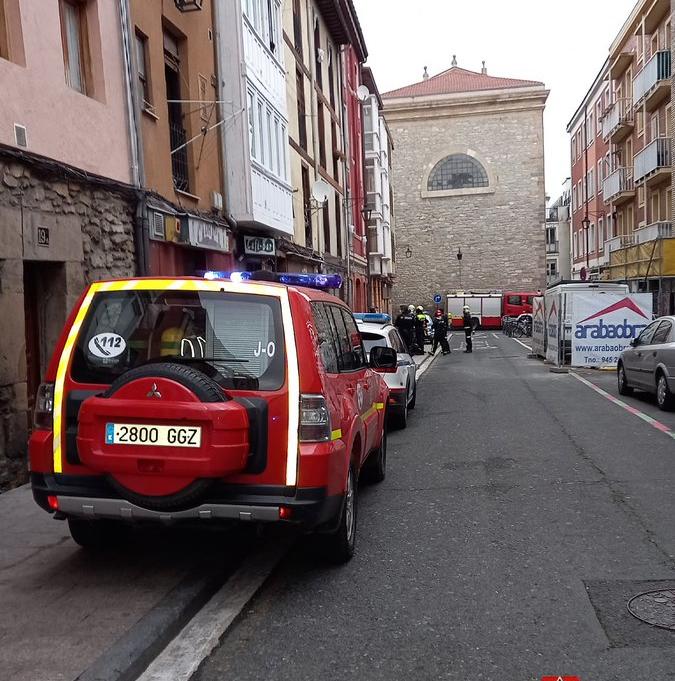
(458, 171)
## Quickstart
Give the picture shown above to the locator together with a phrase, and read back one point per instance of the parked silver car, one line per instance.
(402, 381)
(649, 364)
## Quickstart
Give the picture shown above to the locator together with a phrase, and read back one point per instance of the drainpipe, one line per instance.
(232, 223)
(141, 238)
(344, 128)
(313, 109)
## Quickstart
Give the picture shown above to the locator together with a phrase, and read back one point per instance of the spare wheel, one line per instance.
(162, 434)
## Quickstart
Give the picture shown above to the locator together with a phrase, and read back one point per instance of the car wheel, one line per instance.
(97, 534)
(624, 388)
(375, 469)
(338, 547)
(401, 417)
(413, 399)
(664, 398)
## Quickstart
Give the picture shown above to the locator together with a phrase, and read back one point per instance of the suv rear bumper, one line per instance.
(92, 498)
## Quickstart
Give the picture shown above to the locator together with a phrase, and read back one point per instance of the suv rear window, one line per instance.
(237, 339)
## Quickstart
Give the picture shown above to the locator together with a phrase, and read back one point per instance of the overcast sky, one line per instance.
(563, 43)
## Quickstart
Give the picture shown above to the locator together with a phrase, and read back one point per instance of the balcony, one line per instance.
(618, 187)
(617, 123)
(372, 144)
(652, 85)
(617, 243)
(657, 230)
(374, 204)
(653, 163)
(553, 247)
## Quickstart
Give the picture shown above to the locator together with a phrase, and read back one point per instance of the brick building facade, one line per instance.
(469, 174)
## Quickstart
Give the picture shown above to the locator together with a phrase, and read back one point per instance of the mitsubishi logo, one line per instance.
(154, 392)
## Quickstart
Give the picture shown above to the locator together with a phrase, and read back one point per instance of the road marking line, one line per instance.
(182, 657)
(496, 336)
(631, 410)
(523, 344)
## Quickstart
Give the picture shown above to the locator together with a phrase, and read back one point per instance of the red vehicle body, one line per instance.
(487, 309)
(150, 434)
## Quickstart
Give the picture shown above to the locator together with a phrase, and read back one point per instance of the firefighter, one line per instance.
(468, 328)
(405, 323)
(440, 328)
(420, 328)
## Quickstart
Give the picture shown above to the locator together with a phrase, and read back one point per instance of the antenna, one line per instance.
(320, 191)
(362, 92)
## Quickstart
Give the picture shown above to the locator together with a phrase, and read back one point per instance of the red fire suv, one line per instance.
(189, 399)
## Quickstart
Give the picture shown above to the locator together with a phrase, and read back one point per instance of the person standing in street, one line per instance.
(405, 323)
(468, 328)
(420, 325)
(440, 328)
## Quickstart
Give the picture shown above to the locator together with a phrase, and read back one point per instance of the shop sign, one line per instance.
(259, 245)
(203, 234)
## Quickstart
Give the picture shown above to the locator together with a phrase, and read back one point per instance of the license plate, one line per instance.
(147, 434)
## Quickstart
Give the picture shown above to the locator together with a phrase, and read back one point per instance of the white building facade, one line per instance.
(379, 197)
(254, 116)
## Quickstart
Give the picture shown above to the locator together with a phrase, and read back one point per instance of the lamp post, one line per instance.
(586, 223)
(459, 260)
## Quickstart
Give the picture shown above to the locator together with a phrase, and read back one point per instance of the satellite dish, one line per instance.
(362, 92)
(320, 191)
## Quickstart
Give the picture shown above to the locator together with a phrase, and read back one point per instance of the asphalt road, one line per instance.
(520, 513)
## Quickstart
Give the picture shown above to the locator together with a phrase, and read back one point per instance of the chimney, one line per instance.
(484, 70)
(425, 75)
(454, 60)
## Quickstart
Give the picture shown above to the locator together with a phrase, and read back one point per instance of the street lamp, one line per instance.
(459, 260)
(408, 252)
(586, 223)
(189, 5)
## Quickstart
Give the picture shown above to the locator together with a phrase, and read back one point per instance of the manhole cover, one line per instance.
(654, 607)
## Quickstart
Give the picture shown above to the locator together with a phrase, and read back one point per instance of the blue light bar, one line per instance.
(373, 317)
(332, 281)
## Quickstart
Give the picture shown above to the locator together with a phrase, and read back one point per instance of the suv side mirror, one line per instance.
(634, 342)
(382, 358)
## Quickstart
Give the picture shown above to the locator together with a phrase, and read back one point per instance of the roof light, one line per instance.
(373, 317)
(289, 278)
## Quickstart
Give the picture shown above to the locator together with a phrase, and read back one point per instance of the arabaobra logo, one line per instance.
(602, 329)
(553, 325)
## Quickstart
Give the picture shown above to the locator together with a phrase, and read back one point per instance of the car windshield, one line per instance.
(370, 340)
(235, 338)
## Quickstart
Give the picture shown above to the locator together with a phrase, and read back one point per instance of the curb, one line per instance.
(130, 655)
(421, 368)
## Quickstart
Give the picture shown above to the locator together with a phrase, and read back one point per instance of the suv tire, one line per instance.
(97, 534)
(375, 469)
(338, 546)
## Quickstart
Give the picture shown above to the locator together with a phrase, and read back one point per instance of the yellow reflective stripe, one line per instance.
(366, 415)
(191, 285)
(336, 434)
(61, 377)
(379, 406)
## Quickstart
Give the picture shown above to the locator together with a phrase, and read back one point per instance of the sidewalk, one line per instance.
(62, 607)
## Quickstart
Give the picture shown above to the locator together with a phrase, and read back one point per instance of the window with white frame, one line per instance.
(598, 116)
(590, 182)
(574, 198)
(267, 135)
(602, 236)
(265, 18)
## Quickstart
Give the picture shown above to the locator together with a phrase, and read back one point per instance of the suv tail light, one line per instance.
(314, 419)
(44, 407)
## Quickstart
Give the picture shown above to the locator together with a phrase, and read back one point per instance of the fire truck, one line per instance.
(487, 309)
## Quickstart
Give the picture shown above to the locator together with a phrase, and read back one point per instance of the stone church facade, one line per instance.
(469, 172)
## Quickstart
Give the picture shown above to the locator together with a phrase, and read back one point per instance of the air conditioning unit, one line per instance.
(157, 225)
(216, 200)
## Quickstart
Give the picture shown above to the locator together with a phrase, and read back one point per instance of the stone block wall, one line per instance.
(500, 233)
(91, 237)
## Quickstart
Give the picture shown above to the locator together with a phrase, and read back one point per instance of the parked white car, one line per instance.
(649, 364)
(402, 381)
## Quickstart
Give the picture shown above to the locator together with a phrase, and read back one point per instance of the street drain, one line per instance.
(655, 607)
